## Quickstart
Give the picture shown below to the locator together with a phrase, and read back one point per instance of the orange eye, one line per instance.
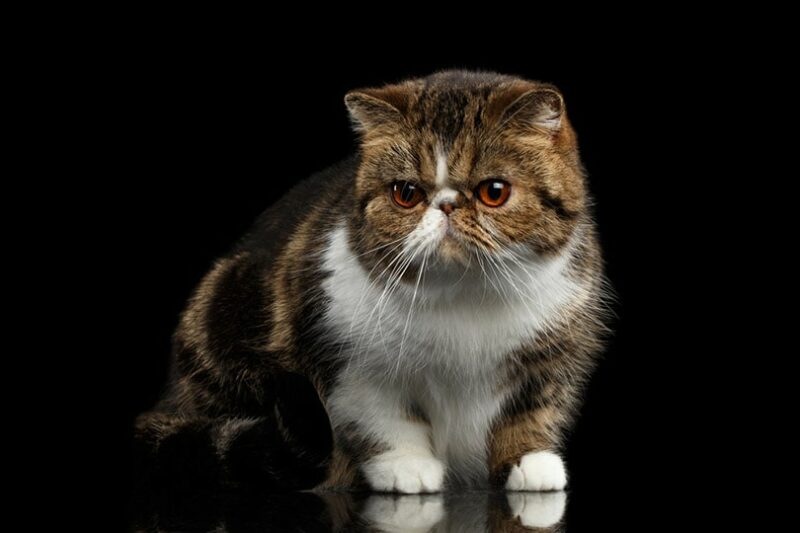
(406, 194)
(493, 192)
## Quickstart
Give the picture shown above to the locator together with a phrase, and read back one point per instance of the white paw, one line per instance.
(411, 474)
(538, 471)
(537, 510)
(404, 513)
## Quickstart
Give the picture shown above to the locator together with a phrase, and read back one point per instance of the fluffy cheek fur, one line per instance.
(547, 195)
(383, 230)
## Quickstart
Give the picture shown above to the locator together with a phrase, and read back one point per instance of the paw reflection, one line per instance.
(336, 512)
(409, 513)
(471, 512)
(537, 509)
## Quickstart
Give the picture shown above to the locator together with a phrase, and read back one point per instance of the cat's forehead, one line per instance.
(449, 107)
(447, 133)
(455, 123)
(449, 137)
(444, 163)
(443, 117)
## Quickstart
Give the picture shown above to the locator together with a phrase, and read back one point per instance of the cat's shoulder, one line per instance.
(276, 223)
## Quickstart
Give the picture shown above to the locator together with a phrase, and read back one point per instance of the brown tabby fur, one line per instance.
(256, 316)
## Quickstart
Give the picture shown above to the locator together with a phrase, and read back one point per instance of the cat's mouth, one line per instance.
(453, 247)
(464, 239)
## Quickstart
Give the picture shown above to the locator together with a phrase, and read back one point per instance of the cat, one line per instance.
(422, 316)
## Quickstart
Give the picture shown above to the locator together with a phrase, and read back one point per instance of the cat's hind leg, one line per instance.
(225, 452)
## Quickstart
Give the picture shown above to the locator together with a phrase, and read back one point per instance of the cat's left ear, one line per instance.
(371, 109)
(530, 104)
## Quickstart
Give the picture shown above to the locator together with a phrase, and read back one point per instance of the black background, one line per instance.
(203, 135)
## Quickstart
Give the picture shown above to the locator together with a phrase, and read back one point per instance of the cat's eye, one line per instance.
(493, 192)
(406, 194)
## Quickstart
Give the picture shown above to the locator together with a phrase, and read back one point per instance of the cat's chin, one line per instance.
(451, 252)
(450, 258)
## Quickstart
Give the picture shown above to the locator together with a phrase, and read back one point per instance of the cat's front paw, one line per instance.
(538, 471)
(407, 473)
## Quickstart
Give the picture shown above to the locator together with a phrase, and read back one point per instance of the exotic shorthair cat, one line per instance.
(422, 316)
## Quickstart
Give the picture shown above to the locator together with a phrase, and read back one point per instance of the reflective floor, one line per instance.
(462, 512)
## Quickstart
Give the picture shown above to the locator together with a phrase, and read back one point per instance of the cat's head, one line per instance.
(460, 166)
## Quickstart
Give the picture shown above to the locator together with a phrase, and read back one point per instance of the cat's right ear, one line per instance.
(373, 109)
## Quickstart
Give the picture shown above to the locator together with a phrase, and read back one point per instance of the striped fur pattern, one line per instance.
(350, 342)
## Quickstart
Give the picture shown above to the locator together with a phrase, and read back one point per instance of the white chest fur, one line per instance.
(439, 348)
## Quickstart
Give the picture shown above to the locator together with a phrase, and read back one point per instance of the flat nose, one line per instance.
(447, 206)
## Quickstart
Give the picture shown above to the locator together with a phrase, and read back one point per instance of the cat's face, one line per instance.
(458, 170)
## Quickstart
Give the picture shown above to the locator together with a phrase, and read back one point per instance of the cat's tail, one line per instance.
(227, 452)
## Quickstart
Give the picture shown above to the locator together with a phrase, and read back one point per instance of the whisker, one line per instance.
(410, 308)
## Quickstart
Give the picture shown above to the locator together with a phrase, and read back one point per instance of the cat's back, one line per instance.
(312, 197)
(251, 300)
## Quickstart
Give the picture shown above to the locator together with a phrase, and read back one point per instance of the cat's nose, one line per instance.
(447, 206)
